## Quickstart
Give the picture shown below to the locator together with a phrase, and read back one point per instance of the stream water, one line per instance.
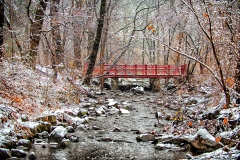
(107, 143)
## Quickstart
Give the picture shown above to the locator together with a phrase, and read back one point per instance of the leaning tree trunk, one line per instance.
(1, 27)
(93, 55)
(35, 30)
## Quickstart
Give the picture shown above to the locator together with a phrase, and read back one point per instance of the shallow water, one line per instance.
(123, 144)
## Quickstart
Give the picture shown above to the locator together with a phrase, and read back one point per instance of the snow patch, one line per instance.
(204, 134)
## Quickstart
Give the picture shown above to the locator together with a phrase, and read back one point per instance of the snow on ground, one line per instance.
(25, 93)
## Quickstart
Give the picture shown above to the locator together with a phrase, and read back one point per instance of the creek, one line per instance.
(114, 136)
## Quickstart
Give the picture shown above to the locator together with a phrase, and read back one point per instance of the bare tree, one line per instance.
(93, 55)
(214, 30)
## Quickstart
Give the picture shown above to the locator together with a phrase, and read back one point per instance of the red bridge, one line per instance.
(141, 71)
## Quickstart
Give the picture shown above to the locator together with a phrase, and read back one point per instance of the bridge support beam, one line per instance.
(155, 84)
(114, 83)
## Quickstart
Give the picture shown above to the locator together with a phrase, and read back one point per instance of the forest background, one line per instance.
(66, 35)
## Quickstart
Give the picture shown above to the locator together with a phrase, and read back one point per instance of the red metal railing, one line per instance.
(140, 71)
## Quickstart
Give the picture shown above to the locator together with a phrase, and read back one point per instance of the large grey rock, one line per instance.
(58, 134)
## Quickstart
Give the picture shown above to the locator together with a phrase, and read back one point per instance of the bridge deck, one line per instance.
(141, 71)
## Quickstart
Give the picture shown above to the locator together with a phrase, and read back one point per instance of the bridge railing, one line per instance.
(140, 71)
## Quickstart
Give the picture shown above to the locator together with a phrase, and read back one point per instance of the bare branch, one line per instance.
(190, 57)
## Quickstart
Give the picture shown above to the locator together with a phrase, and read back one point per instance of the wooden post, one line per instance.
(101, 76)
(135, 69)
(115, 70)
(155, 70)
(125, 70)
(145, 69)
(168, 70)
(155, 84)
(114, 83)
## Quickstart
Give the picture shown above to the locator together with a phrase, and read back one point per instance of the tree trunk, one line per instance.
(78, 33)
(35, 30)
(1, 28)
(90, 28)
(57, 57)
(103, 47)
(93, 55)
(237, 72)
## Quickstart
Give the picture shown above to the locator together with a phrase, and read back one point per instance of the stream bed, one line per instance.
(114, 136)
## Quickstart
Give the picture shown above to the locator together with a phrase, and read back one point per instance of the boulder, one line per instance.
(137, 89)
(64, 143)
(162, 146)
(40, 142)
(58, 134)
(5, 153)
(203, 141)
(54, 145)
(24, 143)
(32, 156)
(124, 112)
(18, 153)
(100, 111)
(42, 135)
(70, 129)
(82, 112)
(8, 142)
(48, 118)
(95, 128)
(37, 127)
(112, 103)
(192, 102)
(45, 134)
(145, 137)
(72, 138)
